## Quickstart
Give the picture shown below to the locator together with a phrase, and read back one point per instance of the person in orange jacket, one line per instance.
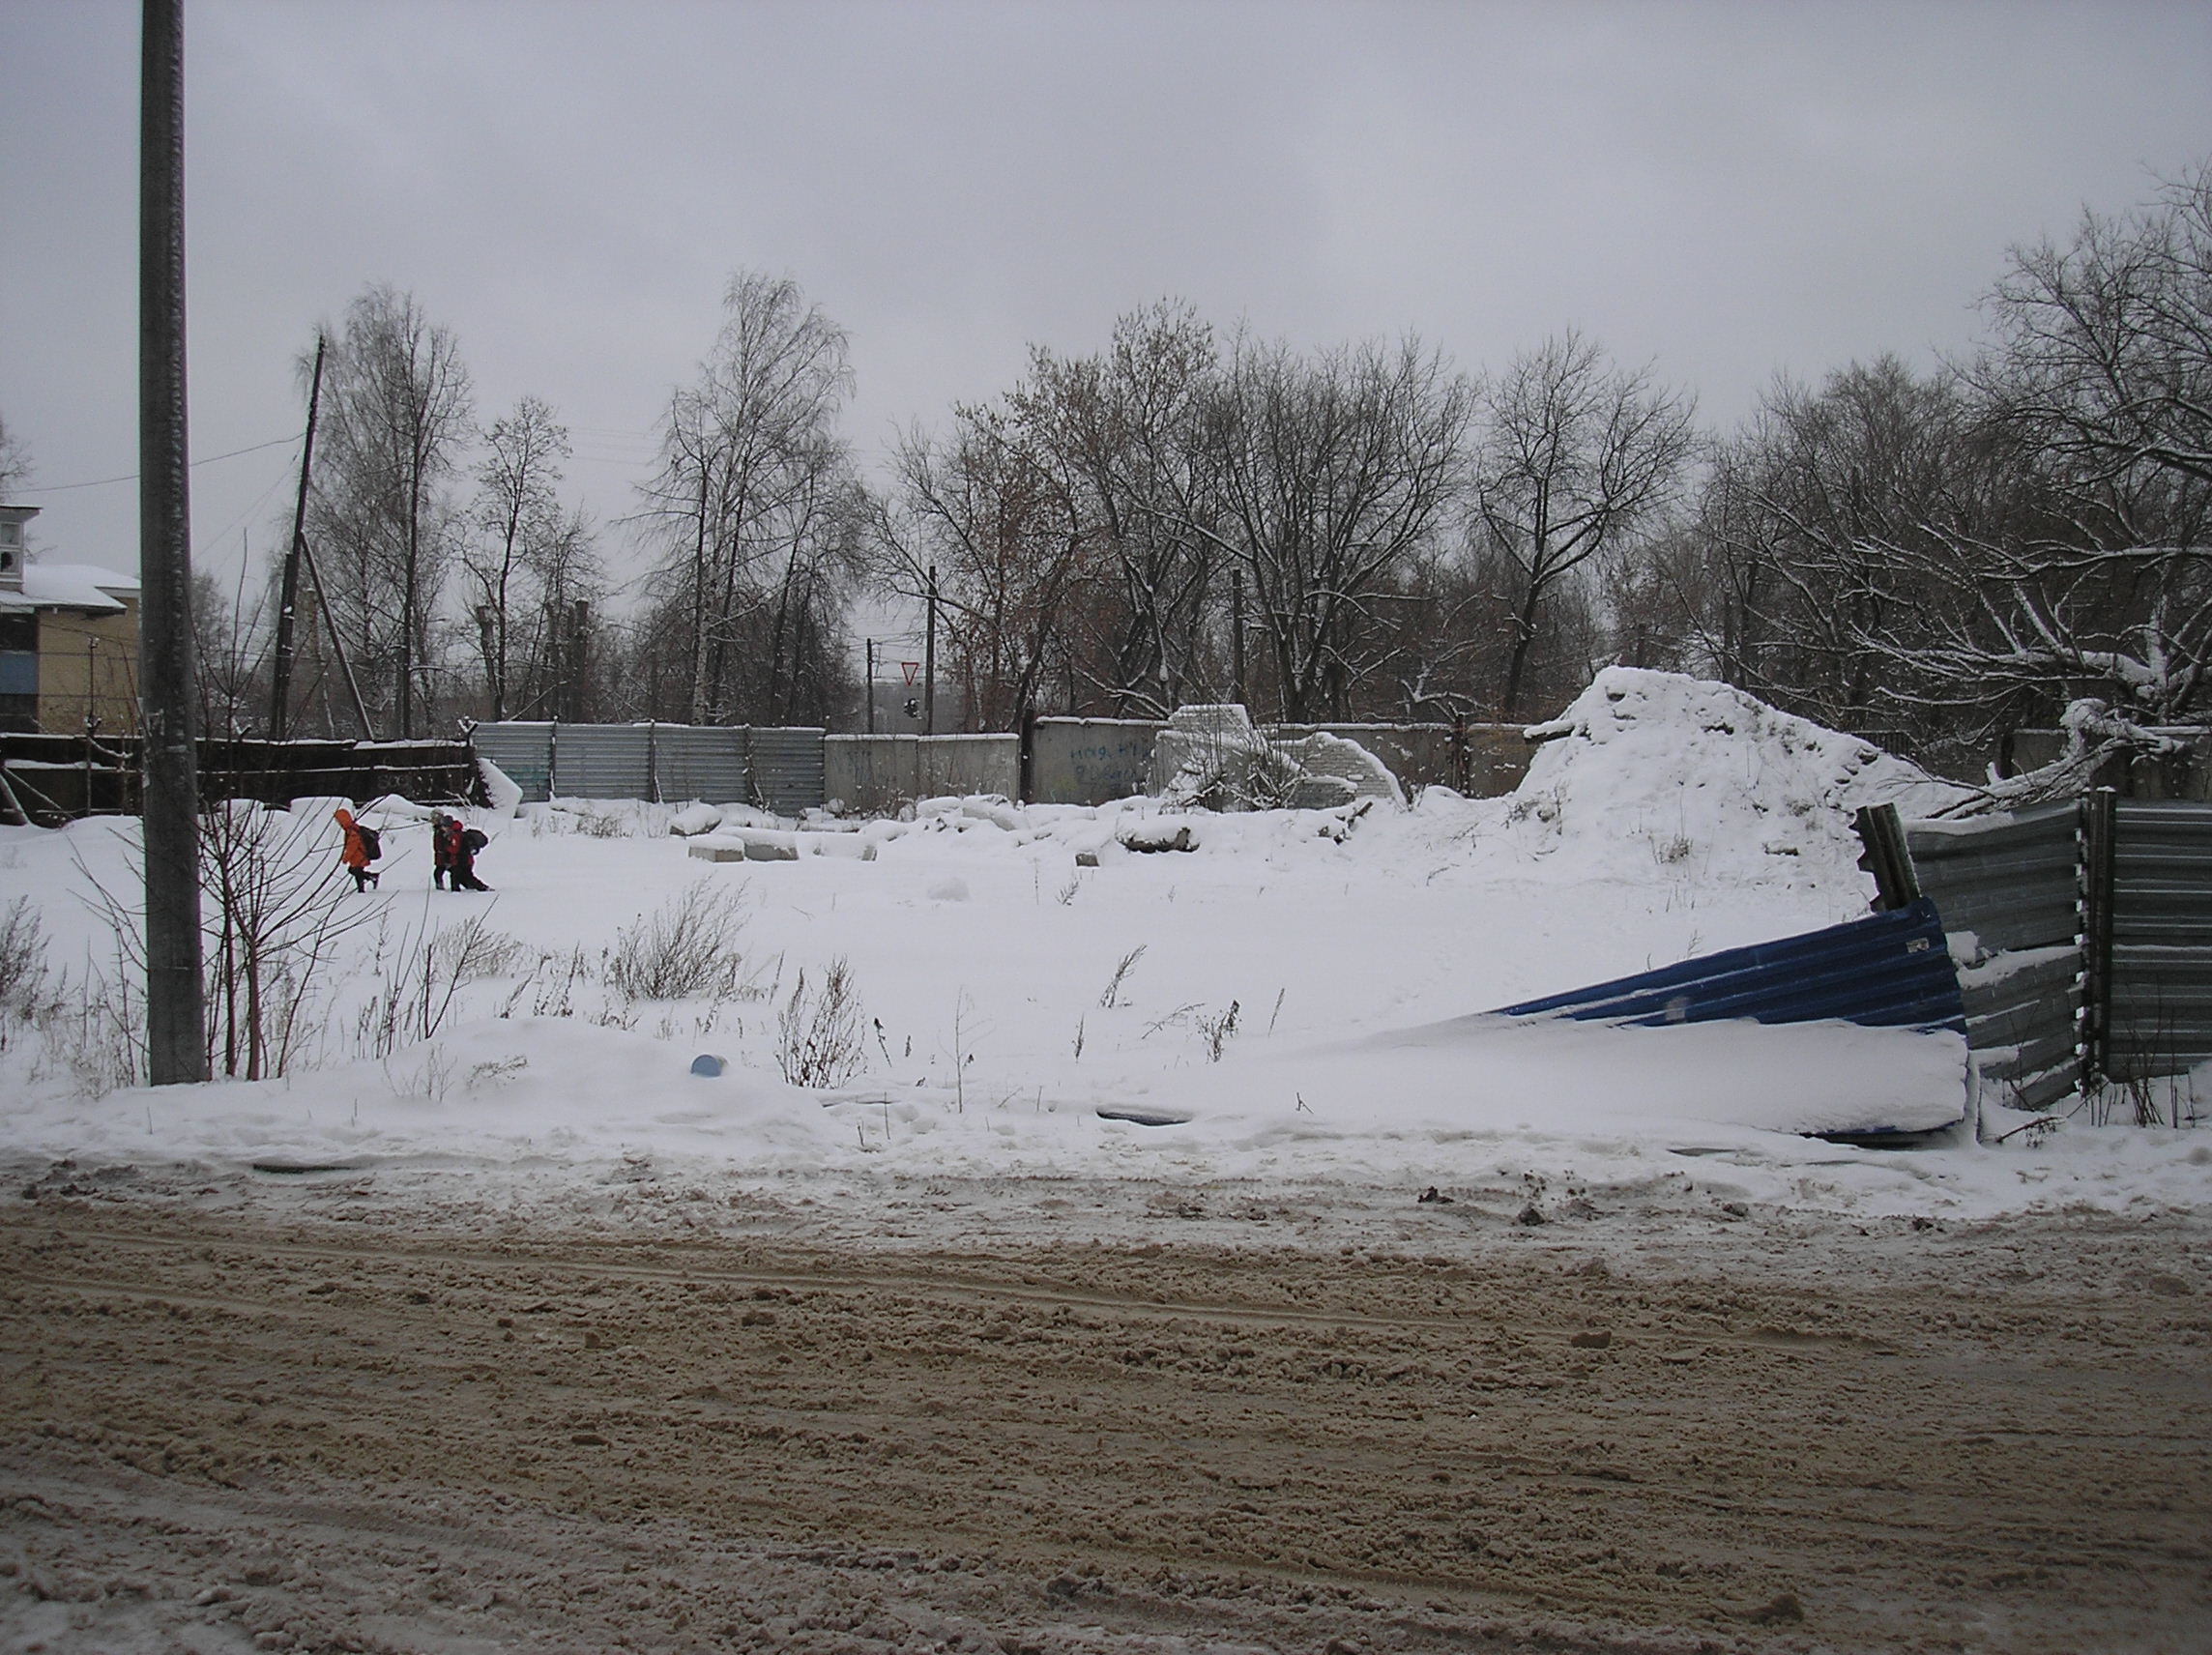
(355, 857)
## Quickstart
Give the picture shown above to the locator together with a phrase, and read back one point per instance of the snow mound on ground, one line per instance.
(1702, 776)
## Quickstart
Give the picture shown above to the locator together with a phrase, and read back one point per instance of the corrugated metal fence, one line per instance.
(787, 774)
(777, 769)
(2084, 933)
(2148, 884)
(2008, 889)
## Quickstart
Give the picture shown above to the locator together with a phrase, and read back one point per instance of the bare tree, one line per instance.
(1102, 524)
(398, 403)
(1895, 556)
(2099, 377)
(986, 508)
(1127, 431)
(518, 518)
(748, 455)
(2102, 346)
(559, 630)
(1333, 475)
(1574, 455)
(14, 461)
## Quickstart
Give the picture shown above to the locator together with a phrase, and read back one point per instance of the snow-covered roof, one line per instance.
(70, 586)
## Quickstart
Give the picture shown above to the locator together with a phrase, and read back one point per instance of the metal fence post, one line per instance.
(1885, 856)
(2094, 838)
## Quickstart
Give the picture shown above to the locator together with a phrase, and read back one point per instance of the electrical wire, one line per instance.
(132, 477)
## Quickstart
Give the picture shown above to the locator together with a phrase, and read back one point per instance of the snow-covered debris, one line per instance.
(693, 820)
(1158, 833)
(778, 845)
(1210, 755)
(1324, 756)
(1216, 758)
(1697, 775)
(502, 790)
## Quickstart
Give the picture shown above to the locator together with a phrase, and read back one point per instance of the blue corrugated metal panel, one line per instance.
(1890, 971)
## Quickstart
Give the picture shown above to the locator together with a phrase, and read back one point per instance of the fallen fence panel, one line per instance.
(1888, 970)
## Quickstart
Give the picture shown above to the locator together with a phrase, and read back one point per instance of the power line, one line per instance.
(132, 477)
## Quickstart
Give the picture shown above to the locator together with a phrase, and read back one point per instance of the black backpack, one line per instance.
(474, 840)
(372, 841)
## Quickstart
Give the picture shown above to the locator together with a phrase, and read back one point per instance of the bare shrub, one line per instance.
(275, 925)
(95, 1027)
(602, 825)
(685, 948)
(473, 950)
(22, 957)
(818, 1036)
(271, 925)
(416, 980)
(1216, 1028)
(551, 985)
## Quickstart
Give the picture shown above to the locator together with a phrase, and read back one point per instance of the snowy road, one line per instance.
(243, 1424)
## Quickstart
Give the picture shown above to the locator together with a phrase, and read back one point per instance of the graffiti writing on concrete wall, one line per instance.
(1089, 761)
(1118, 761)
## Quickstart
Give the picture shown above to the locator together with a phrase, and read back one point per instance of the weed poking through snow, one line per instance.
(818, 1036)
(1111, 997)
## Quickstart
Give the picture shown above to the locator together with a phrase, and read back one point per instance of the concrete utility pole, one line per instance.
(929, 662)
(176, 1041)
(1237, 633)
(280, 678)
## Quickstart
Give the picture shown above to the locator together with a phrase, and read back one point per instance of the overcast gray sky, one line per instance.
(1729, 190)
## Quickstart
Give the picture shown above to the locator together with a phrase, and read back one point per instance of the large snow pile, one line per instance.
(1686, 774)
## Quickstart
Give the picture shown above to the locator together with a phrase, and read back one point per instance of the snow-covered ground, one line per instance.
(1296, 994)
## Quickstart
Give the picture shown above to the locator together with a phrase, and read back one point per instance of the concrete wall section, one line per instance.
(869, 774)
(971, 764)
(875, 774)
(1496, 760)
(1089, 761)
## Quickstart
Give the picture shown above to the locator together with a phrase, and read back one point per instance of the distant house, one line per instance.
(68, 640)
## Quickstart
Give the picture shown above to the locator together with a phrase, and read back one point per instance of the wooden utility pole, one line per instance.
(338, 643)
(280, 677)
(176, 1043)
(871, 700)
